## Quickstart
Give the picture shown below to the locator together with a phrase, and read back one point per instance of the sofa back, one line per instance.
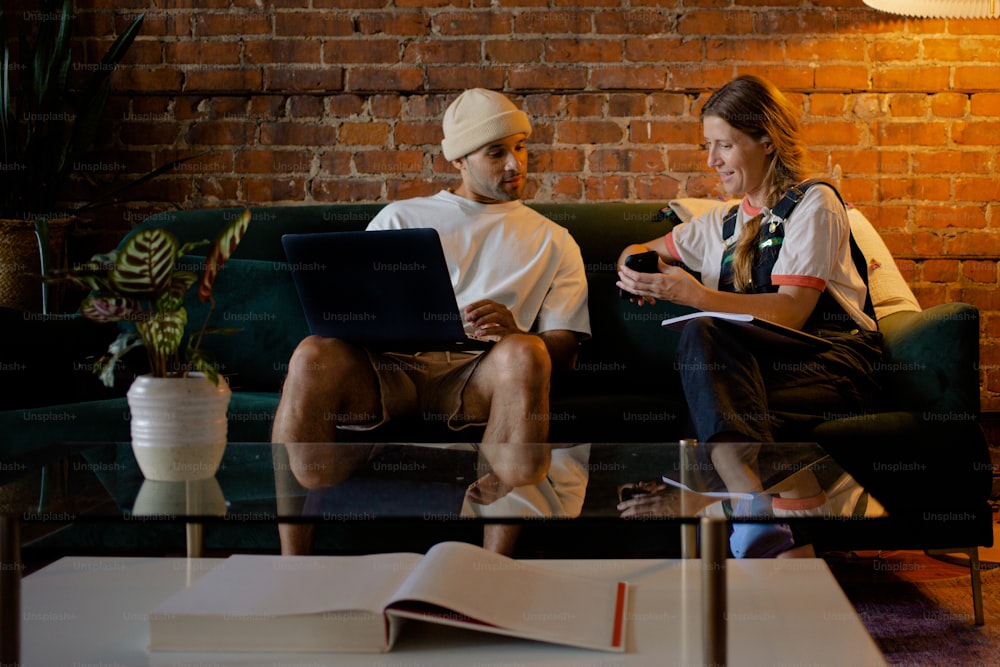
(254, 292)
(931, 363)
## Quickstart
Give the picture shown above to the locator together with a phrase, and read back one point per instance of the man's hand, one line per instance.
(491, 320)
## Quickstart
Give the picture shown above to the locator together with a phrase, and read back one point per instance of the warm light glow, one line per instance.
(943, 9)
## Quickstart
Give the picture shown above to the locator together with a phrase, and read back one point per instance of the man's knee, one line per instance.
(522, 359)
(321, 359)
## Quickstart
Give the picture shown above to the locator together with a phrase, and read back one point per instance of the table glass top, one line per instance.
(348, 481)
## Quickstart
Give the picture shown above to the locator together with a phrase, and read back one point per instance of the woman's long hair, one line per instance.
(758, 109)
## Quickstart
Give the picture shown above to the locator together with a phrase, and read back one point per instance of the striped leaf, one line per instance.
(162, 336)
(221, 251)
(180, 282)
(108, 307)
(145, 263)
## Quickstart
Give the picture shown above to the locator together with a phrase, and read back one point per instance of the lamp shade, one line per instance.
(941, 9)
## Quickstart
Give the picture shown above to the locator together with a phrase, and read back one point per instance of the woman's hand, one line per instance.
(670, 283)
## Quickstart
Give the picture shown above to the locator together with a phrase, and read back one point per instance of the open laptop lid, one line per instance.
(385, 289)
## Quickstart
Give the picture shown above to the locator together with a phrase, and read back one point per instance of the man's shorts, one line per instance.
(425, 384)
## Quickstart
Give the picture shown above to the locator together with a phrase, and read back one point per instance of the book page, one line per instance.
(512, 597)
(283, 585)
(284, 603)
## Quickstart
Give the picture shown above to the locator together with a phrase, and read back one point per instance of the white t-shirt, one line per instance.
(815, 251)
(504, 252)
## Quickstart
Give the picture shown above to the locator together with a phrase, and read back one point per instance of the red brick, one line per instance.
(686, 161)
(940, 270)
(911, 78)
(210, 133)
(514, 51)
(716, 22)
(397, 189)
(738, 48)
(661, 132)
(585, 105)
(297, 134)
(842, 47)
(626, 104)
(556, 160)
(567, 188)
(300, 79)
(641, 160)
(874, 161)
(700, 77)
(385, 106)
(951, 162)
(473, 23)
(363, 50)
(908, 104)
(827, 104)
(977, 188)
(912, 134)
(283, 51)
(667, 104)
(385, 79)
(402, 22)
(980, 271)
(148, 80)
(230, 79)
(275, 189)
(977, 133)
(335, 163)
(949, 104)
(198, 52)
(454, 77)
(523, 77)
(941, 217)
(389, 162)
(887, 50)
(583, 51)
(639, 21)
(305, 106)
(416, 133)
(364, 134)
(975, 77)
(607, 188)
(656, 188)
(461, 51)
(831, 133)
(588, 132)
(148, 133)
(614, 77)
(664, 49)
(307, 23)
(235, 23)
(842, 77)
(273, 162)
(553, 22)
(985, 104)
(345, 106)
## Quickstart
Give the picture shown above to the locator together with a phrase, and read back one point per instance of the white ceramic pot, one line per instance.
(178, 426)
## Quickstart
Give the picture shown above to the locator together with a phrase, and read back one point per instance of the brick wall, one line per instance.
(341, 101)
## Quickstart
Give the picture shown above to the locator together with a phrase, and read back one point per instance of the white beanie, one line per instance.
(477, 117)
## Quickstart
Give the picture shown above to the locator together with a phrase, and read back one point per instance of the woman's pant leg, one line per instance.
(722, 382)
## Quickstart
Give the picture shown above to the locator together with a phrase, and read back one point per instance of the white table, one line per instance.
(92, 611)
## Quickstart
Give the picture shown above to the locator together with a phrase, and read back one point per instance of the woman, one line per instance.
(797, 272)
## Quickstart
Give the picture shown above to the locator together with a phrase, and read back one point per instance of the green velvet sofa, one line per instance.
(923, 453)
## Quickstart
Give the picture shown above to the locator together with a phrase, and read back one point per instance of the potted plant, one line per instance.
(179, 408)
(48, 121)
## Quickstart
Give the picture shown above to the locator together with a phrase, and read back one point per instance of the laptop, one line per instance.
(387, 290)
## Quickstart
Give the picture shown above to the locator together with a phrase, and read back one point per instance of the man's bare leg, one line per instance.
(329, 381)
(511, 387)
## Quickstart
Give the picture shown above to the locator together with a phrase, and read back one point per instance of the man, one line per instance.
(519, 280)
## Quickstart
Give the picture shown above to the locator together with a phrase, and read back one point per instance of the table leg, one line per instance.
(195, 539)
(714, 549)
(10, 590)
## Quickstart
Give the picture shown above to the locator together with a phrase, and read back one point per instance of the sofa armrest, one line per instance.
(931, 361)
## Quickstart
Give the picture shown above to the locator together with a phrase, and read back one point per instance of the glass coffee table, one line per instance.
(705, 490)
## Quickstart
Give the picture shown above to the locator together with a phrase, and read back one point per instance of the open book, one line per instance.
(758, 329)
(357, 603)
